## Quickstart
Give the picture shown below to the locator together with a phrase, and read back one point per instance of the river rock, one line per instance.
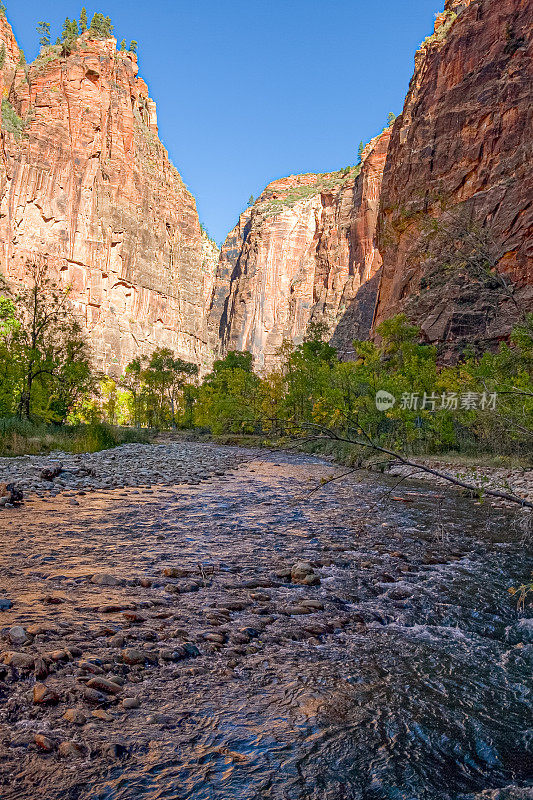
(23, 661)
(131, 702)
(43, 742)
(104, 685)
(75, 716)
(300, 570)
(104, 579)
(17, 635)
(44, 695)
(70, 750)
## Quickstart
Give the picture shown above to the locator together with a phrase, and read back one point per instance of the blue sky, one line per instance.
(250, 91)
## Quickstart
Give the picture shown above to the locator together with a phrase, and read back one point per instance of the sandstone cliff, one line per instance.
(86, 185)
(461, 152)
(301, 253)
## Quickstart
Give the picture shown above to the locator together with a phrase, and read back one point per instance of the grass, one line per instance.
(21, 437)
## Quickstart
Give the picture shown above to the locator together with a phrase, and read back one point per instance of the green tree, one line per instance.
(49, 358)
(43, 30)
(101, 26)
(251, 200)
(390, 118)
(360, 151)
(83, 20)
(133, 46)
(123, 46)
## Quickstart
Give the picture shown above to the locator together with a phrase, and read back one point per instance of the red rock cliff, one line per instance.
(88, 187)
(305, 251)
(462, 148)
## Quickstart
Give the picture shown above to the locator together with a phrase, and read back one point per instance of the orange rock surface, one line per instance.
(463, 143)
(89, 188)
(301, 253)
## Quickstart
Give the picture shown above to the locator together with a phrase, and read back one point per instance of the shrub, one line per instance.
(11, 122)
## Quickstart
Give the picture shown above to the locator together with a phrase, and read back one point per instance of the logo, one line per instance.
(384, 400)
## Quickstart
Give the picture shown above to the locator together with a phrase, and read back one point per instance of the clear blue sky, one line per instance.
(250, 91)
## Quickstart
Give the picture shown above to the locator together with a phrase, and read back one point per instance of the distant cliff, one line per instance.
(301, 253)
(86, 185)
(350, 250)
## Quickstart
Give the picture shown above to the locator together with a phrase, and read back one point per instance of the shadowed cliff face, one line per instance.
(301, 253)
(89, 188)
(462, 148)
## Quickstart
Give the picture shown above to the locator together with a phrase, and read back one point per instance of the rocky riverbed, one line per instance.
(518, 482)
(133, 465)
(205, 624)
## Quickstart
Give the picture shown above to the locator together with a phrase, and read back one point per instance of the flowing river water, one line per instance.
(404, 675)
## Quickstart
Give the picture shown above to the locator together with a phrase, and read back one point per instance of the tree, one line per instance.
(133, 46)
(132, 381)
(43, 29)
(360, 150)
(251, 200)
(235, 359)
(123, 46)
(390, 118)
(49, 359)
(83, 20)
(70, 30)
(101, 26)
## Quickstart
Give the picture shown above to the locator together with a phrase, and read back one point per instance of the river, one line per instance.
(404, 674)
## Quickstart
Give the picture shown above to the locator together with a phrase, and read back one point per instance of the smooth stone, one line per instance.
(44, 695)
(43, 742)
(75, 716)
(131, 702)
(17, 635)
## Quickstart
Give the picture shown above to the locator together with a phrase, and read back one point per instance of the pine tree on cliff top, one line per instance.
(101, 26)
(133, 46)
(123, 46)
(360, 150)
(43, 29)
(83, 20)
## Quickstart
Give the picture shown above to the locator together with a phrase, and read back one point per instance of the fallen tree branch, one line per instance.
(328, 434)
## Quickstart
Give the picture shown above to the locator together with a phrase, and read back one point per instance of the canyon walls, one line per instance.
(301, 254)
(461, 153)
(351, 251)
(87, 187)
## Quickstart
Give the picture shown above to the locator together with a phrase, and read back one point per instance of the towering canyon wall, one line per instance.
(302, 253)
(460, 150)
(88, 188)
(461, 153)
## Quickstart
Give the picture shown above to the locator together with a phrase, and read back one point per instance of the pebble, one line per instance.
(44, 695)
(43, 742)
(75, 716)
(70, 750)
(131, 702)
(104, 685)
(17, 635)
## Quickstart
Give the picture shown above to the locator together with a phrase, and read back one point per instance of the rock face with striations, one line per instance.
(304, 252)
(87, 187)
(461, 152)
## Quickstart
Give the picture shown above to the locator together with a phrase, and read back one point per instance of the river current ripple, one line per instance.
(412, 682)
